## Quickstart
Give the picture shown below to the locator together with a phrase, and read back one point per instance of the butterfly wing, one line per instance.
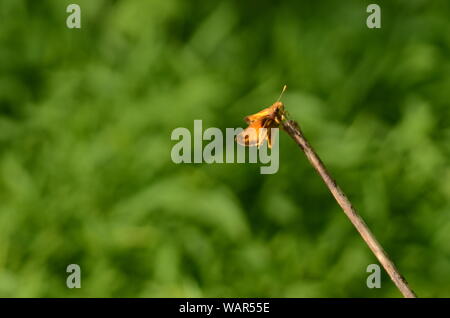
(259, 115)
(253, 135)
(269, 137)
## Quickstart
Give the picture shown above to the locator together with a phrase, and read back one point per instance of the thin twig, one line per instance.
(292, 128)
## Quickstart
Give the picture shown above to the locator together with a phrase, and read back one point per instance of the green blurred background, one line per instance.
(86, 175)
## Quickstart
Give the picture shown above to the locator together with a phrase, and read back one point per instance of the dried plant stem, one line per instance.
(292, 128)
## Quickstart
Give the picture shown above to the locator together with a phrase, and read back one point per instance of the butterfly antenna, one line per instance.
(284, 88)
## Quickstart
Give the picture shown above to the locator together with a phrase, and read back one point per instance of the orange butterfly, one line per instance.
(267, 118)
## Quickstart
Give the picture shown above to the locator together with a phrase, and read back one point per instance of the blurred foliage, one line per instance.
(85, 169)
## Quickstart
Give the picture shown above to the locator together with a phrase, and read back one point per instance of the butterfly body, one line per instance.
(267, 118)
